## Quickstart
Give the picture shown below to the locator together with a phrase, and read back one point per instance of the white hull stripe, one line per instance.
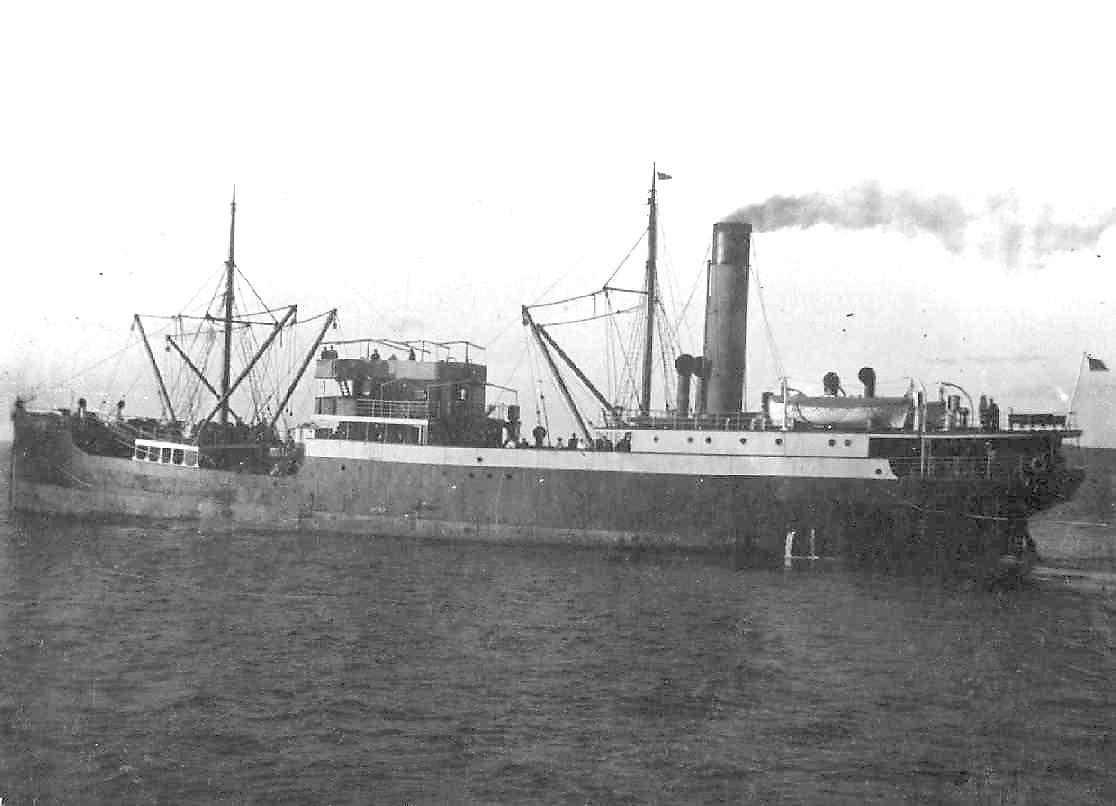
(834, 467)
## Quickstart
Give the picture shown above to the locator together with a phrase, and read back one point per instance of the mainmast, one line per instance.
(230, 268)
(649, 287)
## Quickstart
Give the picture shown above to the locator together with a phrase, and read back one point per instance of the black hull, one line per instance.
(918, 521)
(1083, 528)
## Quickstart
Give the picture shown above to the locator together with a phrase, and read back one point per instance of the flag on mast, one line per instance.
(1095, 364)
(663, 175)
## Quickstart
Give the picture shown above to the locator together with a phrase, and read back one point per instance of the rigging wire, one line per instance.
(632, 309)
(775, 357)
(266, 310)
(590, 295)
(693, 290)
(664, 353)
(118, 355)
(624, 260)
(603, 289)
(667, 287)
(610, 346)
(541, 416)
(194, 296)
(515, 368)
(629, 350)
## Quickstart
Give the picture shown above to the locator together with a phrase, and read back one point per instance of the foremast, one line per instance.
(226, 361)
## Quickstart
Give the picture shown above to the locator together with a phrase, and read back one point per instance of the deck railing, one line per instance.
(960, 467)
(397, 409)
(671, 421)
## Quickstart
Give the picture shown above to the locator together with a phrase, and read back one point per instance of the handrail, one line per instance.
(959, 467)
(668, 420)
(403, 409)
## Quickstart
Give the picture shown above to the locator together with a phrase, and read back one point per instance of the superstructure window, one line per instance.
(141, 451)
(177, 455)
(191, 458)
(152, 454)
(166, 456)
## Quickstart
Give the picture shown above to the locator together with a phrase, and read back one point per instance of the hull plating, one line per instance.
(510, 496)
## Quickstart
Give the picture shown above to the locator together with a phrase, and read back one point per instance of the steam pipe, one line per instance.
(684, 364)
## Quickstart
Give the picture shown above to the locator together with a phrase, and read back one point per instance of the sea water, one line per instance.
(160, 663)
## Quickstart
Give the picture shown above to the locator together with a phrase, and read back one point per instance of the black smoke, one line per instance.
(1000, 230)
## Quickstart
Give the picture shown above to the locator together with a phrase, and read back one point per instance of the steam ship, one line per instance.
(409, 445)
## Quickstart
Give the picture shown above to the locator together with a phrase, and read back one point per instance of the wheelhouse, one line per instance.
(165, 453)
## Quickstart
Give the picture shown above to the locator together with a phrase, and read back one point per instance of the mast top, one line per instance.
(226, 358)
(232, 229)
(649, 288)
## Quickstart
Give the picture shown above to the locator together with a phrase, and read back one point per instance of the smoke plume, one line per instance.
(1000, 230)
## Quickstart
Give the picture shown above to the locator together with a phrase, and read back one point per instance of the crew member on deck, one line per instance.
(572, 444)
(539, 433)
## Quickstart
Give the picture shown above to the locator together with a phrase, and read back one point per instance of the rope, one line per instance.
(624, 260)
(775, 357)
(593, 317)
(515, 367)
(195, 295)
(590, 295)
(665, 358)
(628, 353)
(693, 290)
(266, 310)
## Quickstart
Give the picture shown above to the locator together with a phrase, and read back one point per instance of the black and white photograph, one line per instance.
(581, 403)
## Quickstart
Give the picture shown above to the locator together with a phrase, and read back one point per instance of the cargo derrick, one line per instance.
(221, 438)
(917, 474)
(408, 445)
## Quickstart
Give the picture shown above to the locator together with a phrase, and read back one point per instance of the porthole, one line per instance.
(848, 442)
(689, 439)
(709, 440)
(833, 443)
(743, 440)
(488, 475)
(342, 467)
(480, 458)
(472, 475)
(508, 476)
(778, 440)
(654, 439)
(879, 472)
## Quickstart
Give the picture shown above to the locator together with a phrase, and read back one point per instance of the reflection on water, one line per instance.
(160, 664)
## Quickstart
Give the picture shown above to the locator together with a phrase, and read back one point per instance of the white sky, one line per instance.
(430, 167)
